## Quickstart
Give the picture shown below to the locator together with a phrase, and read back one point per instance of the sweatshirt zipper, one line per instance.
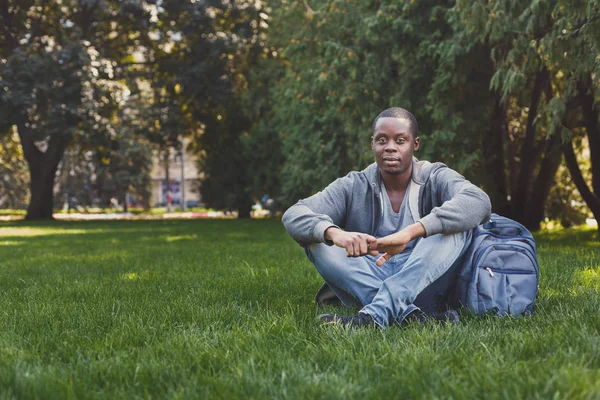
(373, 207)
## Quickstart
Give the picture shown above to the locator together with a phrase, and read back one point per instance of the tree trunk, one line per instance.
(493, 155)
(42, 185)
(245, 209)
(42, 169)
(528, 151)
(168, 181)
(541, 189)
(590, 121)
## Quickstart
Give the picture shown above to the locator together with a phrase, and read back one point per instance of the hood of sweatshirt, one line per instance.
(421, 171)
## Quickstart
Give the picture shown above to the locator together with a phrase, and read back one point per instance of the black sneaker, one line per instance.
(359, 320)
(450, 316)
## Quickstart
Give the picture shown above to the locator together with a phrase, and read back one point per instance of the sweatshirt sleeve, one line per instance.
(463, 205)
(307, 220)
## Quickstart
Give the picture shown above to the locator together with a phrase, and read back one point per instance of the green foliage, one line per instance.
(223, 161)
(494, 85)
(197, 65)
(564, 203)
(499, 88)
(339, 73)
(13, 173)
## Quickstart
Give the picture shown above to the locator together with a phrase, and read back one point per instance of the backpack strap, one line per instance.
(413, 200)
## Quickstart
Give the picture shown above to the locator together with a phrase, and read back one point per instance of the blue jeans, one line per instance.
(387, 293)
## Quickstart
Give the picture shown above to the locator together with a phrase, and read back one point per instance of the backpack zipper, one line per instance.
(531, 253)
(484, 249)
(524, 238)
(491, 271)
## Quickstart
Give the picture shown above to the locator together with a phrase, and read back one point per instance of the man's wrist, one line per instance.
(415, 230)
(330, 232)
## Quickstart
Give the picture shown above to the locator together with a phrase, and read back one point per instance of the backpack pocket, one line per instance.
(505, 278)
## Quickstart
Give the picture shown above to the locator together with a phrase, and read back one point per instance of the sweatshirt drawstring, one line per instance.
(373, 209)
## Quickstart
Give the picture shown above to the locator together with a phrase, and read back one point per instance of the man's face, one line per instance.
(393, 145)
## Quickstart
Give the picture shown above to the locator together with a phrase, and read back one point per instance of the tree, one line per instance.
(195, 63)
(539, 92)
(490, 83)
(56, 59)
(343, 65)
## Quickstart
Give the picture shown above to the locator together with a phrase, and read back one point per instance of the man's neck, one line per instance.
(397, 182)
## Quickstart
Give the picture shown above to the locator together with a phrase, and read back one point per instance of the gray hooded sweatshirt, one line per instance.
(446, 202)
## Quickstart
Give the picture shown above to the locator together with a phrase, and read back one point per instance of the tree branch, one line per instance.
(590, 199)
(30, 150)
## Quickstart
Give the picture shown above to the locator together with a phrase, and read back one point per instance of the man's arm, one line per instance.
(307, 220)
(395, 243)
(463, 205)
(356, 244)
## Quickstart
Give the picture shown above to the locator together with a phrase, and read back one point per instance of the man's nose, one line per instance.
(390, 147)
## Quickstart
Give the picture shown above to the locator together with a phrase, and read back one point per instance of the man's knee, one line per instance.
(449, 242)
(325, 257)
(321, 251)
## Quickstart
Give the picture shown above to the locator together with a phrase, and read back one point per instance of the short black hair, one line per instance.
(397, 112)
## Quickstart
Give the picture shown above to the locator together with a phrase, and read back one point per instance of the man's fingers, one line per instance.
(361, 244)
(373, 252)
(383, 259)
(350, 250)
(364, 247)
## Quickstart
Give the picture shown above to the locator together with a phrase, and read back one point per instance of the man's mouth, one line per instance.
(391, 161)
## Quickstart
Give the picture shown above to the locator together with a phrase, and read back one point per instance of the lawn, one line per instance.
(224, 309)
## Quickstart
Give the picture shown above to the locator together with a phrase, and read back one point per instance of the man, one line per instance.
(380, 236)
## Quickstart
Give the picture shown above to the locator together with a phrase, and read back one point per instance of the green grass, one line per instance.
(224, 309)
(12, 212)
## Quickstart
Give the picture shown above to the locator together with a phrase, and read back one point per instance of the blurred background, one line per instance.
(242, 107)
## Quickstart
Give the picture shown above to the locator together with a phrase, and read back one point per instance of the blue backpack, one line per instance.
(500, 272)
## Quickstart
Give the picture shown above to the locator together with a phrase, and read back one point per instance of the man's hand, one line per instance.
(395, 243)
(355, 243)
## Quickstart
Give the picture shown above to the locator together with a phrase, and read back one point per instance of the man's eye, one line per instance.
(400, 140)
(381, 140)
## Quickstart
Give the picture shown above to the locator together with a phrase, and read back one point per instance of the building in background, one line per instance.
(190, 172)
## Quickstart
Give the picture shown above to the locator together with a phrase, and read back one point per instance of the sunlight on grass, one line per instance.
(12, 243)
(44, 232)
(237, 235)
(180, 237)
(141, 276)
(131, 276)
(589, 277)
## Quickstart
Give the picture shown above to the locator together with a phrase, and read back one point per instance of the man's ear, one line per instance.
(371, 142)
(417, 141)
